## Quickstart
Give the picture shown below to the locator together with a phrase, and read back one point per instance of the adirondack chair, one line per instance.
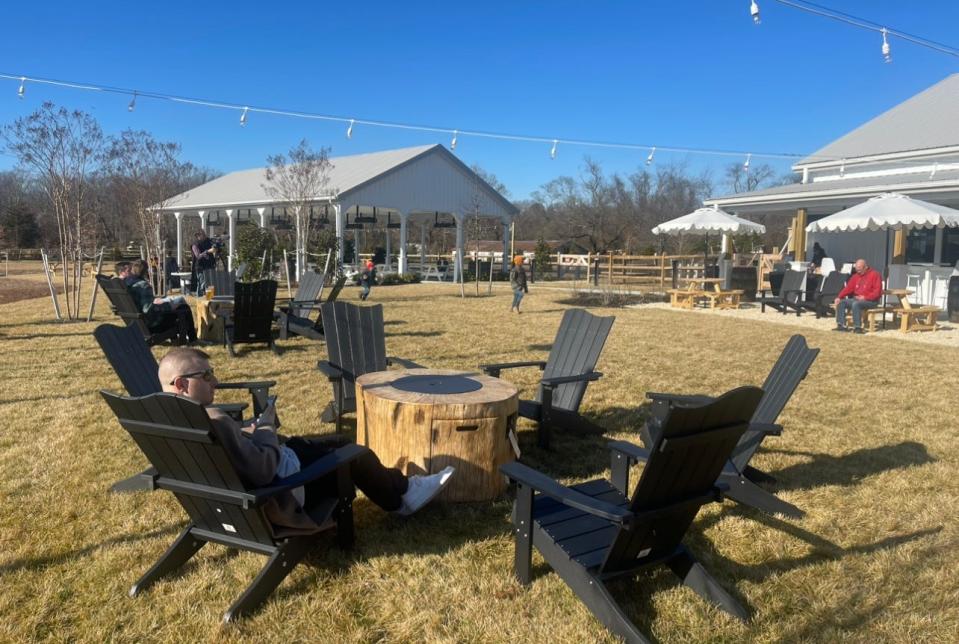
(790, 295)
(126, 309)
(569, 368)
(783, 379)
(176, 435)
(223, 283)
(594, 532)
(296, 317)
(355, 345)
(133, 362)
(827, 293)
(251, 318)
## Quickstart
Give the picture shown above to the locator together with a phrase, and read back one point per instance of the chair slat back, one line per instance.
(336, 288)
(684, 463)
(223, 282)
(131, 358)
(831, 285)
(576, 349)
(355, 340)
(783, 379)
(252, 315)
(178, 438)
(311, 284)
(123, 304)
(792, 282)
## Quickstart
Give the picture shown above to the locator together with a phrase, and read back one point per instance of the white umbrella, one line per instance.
(888, 211)
(708, 220)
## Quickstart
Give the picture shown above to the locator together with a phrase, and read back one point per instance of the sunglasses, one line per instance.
(206, 375)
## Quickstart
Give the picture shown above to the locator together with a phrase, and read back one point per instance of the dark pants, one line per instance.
(856, 306)
(180, 319)
(384, 486)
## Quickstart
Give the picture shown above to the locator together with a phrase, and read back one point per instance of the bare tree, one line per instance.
(62, 149)
(299, 179)
(491, 179)
(739, 179)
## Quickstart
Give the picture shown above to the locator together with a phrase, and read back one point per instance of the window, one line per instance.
(921, 245)
(950, 246)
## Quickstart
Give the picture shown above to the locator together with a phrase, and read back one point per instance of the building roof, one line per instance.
(928, 120)
(349, 174)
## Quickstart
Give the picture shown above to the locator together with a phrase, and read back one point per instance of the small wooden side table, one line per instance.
(421, 420)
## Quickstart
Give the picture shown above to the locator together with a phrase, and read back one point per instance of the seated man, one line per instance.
(259, 457)
(861, 292)
(161, 312)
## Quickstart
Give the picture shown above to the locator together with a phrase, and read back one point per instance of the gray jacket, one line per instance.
(517, 279)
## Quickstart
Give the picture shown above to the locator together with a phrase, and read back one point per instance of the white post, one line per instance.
(506, 259)
(388, 263)
(232, 232)
(423, 248)
(724, 246)
(338, 214)
(300, 264)
(403, 260)
(179, 239)
(202, 214)
(262, 213)
(458, 264)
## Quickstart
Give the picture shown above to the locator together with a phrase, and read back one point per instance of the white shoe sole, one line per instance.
(449, 470)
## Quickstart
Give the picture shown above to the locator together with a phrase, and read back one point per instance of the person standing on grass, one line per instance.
(367, 279)
(862, 292)
(517, 282)
(204, 257)
(255, 451)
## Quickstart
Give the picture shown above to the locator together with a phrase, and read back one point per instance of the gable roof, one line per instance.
(244, 188)
(928, 120)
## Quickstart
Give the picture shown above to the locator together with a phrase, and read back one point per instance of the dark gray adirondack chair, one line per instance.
(783, 379)
(133, 362)
(355, 345)
(251, 318)
(827, 294)
(176, 436)
(594, 532)
(295, 315)
(569, 368)
(790, 295)
(126, 309)
(223, 283)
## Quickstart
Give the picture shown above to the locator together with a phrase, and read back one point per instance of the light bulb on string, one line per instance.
(652, 153)
(23, 87)
(453, 142)
(746, 164)
(754, 12)
(133, 103)
(552, 153)
(842, 168)
(243, 116)
(349, 130)
(886, 49)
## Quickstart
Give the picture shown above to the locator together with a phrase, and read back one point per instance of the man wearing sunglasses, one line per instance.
(258, 456)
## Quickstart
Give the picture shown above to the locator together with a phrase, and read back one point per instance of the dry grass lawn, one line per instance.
(869, 451)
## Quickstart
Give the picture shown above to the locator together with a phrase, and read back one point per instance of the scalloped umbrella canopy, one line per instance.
(888, 211)
(708, 220)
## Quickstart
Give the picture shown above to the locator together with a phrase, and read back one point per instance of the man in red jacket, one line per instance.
(862, 292)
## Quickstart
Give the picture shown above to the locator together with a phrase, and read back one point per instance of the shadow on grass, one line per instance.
(416, 334)
(44, 337)
(849, 469)
(38, 563)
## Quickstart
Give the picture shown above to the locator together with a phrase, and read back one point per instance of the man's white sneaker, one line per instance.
(423, 489)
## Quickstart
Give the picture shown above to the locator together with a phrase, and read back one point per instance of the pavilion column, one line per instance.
(458, 264)
(338, 215)
(202, 214)
(799, 243)
(388, 263)
(506, 258)
(231, 227)
(262, 213)
(404, 219)
(179, 239)
(422, 247)
(899, 247)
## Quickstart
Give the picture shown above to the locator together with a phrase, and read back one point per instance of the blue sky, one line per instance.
(693, 73)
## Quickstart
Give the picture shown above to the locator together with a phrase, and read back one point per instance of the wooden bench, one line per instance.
(915, 318)
(720, 299)
(871, 318)
(686, 298)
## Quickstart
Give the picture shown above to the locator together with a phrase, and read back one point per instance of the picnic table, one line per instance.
(709, 291)
(209, 317)
(912, 317)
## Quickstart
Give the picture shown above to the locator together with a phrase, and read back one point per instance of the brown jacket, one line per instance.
(256, 456)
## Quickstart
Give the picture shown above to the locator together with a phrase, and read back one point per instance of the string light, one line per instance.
(23, 88)
(652, 153)
(935, 169)
(886, 50)
(842, 168)
(754, 12)
(552, 153)
(243, 116)
(746, 164)
(453, 142)
(349, 130)
(133, 103)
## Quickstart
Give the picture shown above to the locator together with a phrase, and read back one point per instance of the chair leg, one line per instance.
(696, 578)
(280, 564)
(744, 491)
(545, 418)
(185, 546)
(757, 476)
(273, 347)
(523, 533)
(594, 594)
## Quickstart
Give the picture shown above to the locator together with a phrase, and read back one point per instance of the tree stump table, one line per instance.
(421, 420)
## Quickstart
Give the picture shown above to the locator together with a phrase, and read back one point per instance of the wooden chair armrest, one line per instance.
(589, 376)
(685, 399)
(247, 384)
(636, 453)
(331, 372)
(494, 369)
(317, 469)
(571, 498)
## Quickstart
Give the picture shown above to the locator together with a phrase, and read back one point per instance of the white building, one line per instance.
(417, 187)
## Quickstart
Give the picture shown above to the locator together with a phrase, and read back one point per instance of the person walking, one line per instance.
(517, 282)
(367, 279)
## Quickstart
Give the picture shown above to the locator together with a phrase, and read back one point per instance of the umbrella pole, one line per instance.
(886, 280)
